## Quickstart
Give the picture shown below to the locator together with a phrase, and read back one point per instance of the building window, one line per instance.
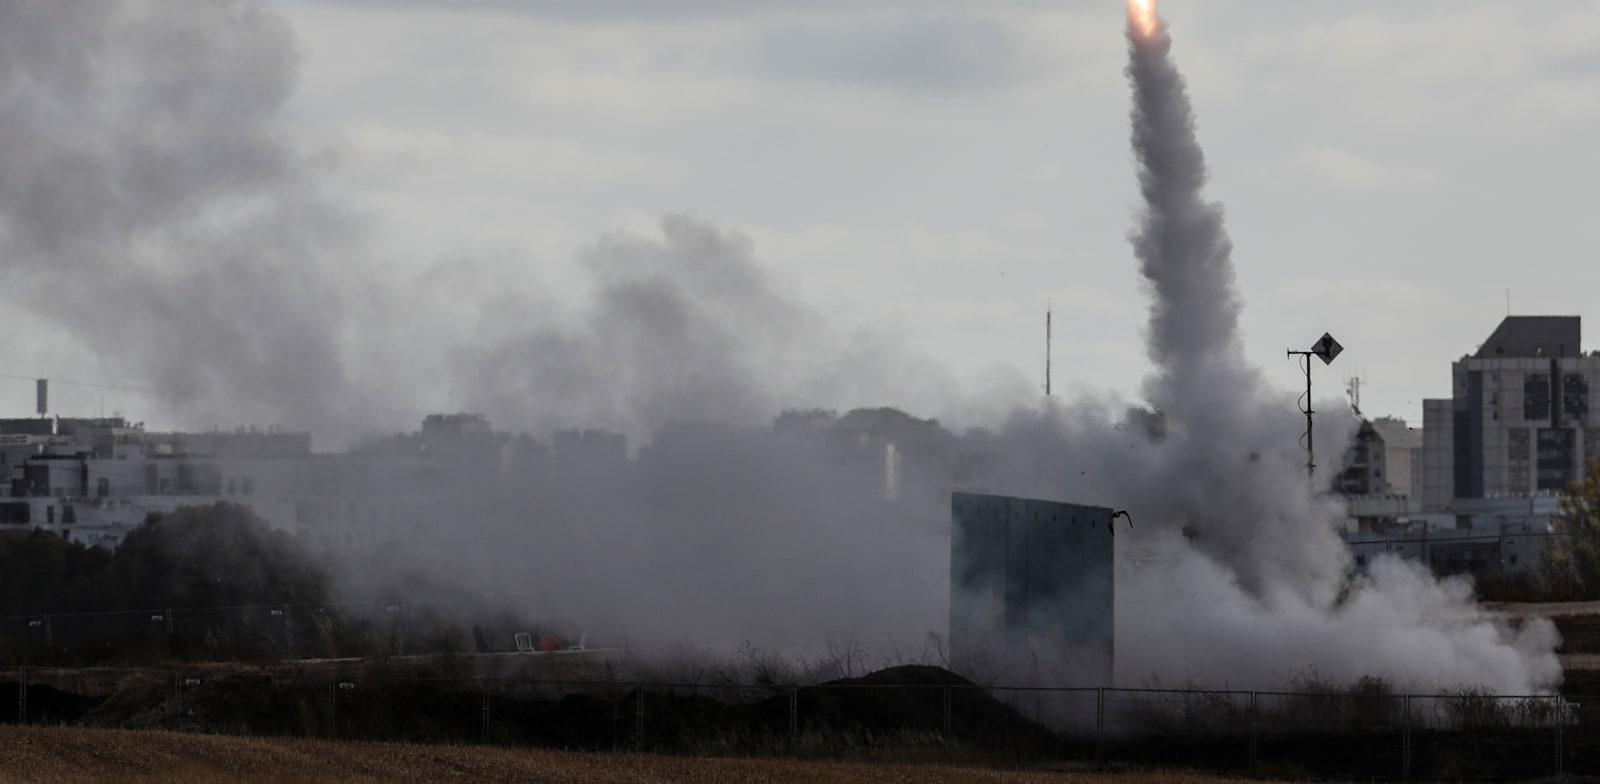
(1555, 458)
(1519, 445)
(1512, 559)
(69, 515)
(102, 487)
(249, 485)
(50, 514)
(1536, 397)
(1574, 399)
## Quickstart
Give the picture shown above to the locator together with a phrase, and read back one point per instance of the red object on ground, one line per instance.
(549, 643)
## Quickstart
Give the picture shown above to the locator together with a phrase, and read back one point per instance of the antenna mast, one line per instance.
(1325, 349)
(1047, 328)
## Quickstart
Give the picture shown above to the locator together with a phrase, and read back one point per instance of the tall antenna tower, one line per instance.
(1047, 314)
(1353, 389)
(1325, 349)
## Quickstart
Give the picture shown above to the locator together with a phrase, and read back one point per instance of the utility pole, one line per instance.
(1326, 348)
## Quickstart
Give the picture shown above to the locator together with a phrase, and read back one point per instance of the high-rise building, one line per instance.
(1518, 422)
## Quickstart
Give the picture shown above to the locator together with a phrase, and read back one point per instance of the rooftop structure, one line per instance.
(1534, 336)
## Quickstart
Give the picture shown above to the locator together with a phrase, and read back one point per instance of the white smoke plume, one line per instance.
(159, 209)
(1256, 589)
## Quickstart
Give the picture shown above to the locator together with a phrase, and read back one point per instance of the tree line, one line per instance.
(205, 556)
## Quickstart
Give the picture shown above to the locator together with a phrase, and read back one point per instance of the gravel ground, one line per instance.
(62, 755)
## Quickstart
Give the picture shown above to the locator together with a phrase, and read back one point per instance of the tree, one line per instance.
(1572, 562)
(212, 566)
(214, 556)
(42, 572)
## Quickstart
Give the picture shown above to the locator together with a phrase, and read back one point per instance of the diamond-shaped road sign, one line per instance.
(1327, 348)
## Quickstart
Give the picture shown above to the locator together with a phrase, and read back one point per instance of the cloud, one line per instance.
(156, 208)
(604, 11)
(930, 54)
(1349, 170)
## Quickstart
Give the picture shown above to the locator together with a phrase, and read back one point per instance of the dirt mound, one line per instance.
(906, 675)
(46, 704)
(918, 700)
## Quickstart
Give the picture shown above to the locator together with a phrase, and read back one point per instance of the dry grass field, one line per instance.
(61, 755)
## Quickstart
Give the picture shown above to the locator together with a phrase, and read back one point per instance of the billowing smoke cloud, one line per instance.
(1255, 587)
(156, 208)
(1233, 480)
(684, 327)
(154, 211)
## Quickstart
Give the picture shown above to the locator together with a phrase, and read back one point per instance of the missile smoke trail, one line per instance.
(1258, 580)
(1182, 246)
(1207, 392)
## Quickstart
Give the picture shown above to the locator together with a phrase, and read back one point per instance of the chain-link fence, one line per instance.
(250, 633)
(1467, 735)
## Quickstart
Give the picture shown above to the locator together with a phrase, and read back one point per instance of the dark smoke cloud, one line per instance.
(159, 210)
(154, 209)
(687, 326)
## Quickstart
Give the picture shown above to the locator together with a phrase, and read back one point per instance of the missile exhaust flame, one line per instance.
(1142, 17)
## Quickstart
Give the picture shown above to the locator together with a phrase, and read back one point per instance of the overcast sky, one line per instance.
(942, 169)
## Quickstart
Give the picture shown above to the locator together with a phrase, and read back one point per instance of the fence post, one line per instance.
(794, 718)
(486, 711)
(1405, 742)
(1100, 723)
(638, 721)
(1255, 724)
(22, 695)
(177, 698)
(947, 716)
(1561, 731)
(288, 634)
(333, 708)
